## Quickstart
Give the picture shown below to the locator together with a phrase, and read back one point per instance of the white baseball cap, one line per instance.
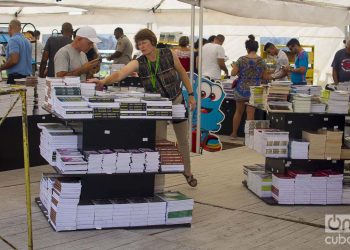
(89, 33)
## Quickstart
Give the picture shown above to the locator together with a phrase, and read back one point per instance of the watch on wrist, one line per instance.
(190, 94)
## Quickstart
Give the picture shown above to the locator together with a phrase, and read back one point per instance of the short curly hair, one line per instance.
(184, 41)
(145, 34)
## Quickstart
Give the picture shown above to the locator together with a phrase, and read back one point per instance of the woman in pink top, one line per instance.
(184, 53)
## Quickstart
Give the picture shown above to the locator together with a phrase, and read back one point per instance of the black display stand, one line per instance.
(295, 123)
(115, 134)
(228, 107)
(11, 146)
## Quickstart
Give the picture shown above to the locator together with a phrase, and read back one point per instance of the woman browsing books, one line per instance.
(160, 72)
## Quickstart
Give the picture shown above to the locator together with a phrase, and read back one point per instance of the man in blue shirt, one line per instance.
(18, 54)
(298, 73)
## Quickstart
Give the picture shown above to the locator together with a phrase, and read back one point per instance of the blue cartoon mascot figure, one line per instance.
(212, 96)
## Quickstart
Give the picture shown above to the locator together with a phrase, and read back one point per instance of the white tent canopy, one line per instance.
(313, 22)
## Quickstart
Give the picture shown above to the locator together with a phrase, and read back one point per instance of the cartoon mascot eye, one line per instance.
(205, 90)
(216, 93)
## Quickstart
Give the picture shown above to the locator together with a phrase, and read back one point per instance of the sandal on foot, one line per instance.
(191, 180)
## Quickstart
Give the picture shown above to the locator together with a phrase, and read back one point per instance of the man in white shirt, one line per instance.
(213, 61)
(281, 61)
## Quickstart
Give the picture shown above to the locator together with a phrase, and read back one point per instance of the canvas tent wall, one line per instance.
(313, 22)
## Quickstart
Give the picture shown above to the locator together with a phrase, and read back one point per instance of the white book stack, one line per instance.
(315, 90)
(338, 102)
(85, 215)
(334, 187)
(301, 89)
(179, 111)
(138, 158)
(156, 211)
(139, 212)
(74, 112)
(260, 183)
(51, 83)
(123, 161)
(103, 213)
(179, 207)
(252, 168)
(109, 161)
(317, 107)
(249, 130)
(46, 186)
(158, 107)
(302, 188)
(51, 141)
(132, 108)
(72, 165)
(102, 101)
(121, 212)
(151, 160)
(64, 205)
(283, 188)
(299, 149)
(319, 188)
(71, 80)
(87, 89)
(94, 159)
(301, 103)
(271, 142)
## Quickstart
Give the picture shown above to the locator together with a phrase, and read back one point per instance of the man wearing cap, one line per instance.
(71, 59)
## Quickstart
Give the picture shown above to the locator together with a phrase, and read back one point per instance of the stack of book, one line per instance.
(104, 106)
(103, 213)
(88, 89)
(133, 109)
(71, 80)
(249, 127)
(139, 212)
(71, 161)
(301, 103)
(138, 158)
(94, 159)
(319, 188)
(179, 111)
(51, 83)
(302, 186)
(64, 204)
(301, 89)
(260, 183)
(317, 144)
(85, 215)
(158, 107)
(170, 158)
(228, 89)
(108, 162)
(337, 101)
(283, 188)
(179, 207)
(317, 106)
(253, 168)
(123, 160)
(343, 86)
(334, 187)
(46, 186)
(156, 211)
(277, 97)
(151, 161)
(121, 212)
(334, 141)
(315, 90)
(54, 136)
(299, 149)
(72, 107)
(271, 142)
(256, 96)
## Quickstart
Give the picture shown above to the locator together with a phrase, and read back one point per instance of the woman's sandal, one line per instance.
(191, 180)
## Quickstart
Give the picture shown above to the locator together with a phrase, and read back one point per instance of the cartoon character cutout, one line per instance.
(212, 96)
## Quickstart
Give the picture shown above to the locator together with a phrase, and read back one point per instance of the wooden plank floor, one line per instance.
(226, 215)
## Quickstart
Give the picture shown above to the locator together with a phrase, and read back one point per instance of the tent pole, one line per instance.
(199, 103)
(193, 13)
